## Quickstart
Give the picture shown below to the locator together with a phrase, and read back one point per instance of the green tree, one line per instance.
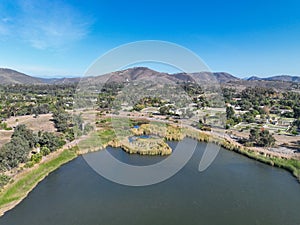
(51, 141)
(266, 139)
(229, 112)
(164, 110)
(45, 151)
(36, 158)
(26, 134)
(254, 135)
(261, 138)
(296, 112)
(61, 120)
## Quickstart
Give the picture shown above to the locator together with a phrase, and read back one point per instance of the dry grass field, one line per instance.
(42, 122)
(5, 136)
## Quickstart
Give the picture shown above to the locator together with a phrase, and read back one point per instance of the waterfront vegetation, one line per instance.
(177, 133)
(143, 146)
(291, 165)
(17, 190)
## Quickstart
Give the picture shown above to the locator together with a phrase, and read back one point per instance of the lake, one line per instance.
(233, 190)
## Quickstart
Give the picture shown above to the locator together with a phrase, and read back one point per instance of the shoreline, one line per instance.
(71, 152)
(24, 182)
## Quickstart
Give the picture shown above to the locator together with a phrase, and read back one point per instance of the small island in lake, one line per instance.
(143, 146)
(143, 141)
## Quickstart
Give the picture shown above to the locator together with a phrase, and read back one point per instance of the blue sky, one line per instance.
(62, 38)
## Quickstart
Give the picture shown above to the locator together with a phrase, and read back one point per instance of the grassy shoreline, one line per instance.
(18, 189)
(291, 165)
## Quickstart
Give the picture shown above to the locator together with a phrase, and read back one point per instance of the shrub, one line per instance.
(3, 180)
(36, 158)
(29, 164)
(249, 144)
(88, 128)
(45, 151)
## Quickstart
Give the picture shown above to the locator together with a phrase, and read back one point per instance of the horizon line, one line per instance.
(136, 67)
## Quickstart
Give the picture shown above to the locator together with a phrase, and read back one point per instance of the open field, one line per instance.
(42, 122)
(5, 136)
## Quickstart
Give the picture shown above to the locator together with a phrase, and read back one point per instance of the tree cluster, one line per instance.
(261, 138)
(21, 144)
(71, 126)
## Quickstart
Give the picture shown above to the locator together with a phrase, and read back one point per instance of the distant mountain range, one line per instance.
(285, 78)
(8, 76)
(60, 80)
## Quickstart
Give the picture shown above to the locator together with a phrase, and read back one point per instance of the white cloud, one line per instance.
(46, 24)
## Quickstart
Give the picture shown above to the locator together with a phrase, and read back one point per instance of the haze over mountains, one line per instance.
(285, 78)
(9, 76)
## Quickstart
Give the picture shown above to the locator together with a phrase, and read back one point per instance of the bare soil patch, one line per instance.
(42, 122)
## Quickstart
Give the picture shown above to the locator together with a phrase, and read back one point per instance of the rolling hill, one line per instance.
(8, 76)
(144, 73)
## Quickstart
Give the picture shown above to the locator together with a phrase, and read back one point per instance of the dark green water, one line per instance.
(233, 190)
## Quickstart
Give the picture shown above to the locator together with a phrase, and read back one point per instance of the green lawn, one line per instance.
(97, 139)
